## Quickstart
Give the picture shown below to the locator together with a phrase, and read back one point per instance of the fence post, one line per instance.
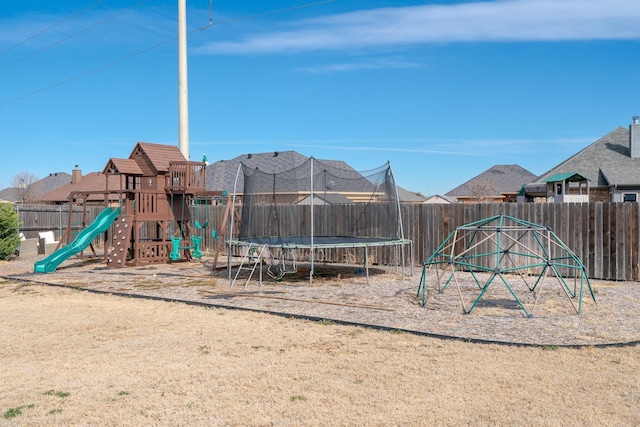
(59, 220)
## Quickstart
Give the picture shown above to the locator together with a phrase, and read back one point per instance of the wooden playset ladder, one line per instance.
(250, 261)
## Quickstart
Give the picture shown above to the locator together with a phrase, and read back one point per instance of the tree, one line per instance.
(9, 229)
(23, 188)
(481, 190)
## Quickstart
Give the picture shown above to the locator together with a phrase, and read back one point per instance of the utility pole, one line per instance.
(183, 85)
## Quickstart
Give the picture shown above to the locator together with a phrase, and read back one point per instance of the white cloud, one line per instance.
(487, 21)
(480, 147)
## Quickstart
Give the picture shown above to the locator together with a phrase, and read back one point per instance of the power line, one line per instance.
(77, 33)
(133, 55)
(272, 12)
(91, 6)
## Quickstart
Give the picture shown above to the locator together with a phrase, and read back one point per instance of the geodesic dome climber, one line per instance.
(521, 255)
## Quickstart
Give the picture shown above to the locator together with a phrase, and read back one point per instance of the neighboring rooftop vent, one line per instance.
(634, 137)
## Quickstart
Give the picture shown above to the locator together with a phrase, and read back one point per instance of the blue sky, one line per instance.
(443, 90)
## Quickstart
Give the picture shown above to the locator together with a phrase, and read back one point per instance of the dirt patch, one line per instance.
(386, 298)
(72, 357)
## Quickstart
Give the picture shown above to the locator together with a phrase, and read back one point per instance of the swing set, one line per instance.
(192, 208)
(192, 250)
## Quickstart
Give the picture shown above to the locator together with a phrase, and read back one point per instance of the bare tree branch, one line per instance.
(23, 188)
(481, 190)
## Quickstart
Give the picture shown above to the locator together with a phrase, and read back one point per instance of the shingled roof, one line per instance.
(606, 162)
(221, 175)
(93, 181)
(38, 188)
(123, 166)
(159, 156)
(502, 179)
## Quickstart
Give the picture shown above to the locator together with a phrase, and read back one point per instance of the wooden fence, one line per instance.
(605, 236)
(38, 218)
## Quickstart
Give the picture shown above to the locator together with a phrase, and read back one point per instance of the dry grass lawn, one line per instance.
(75, 358)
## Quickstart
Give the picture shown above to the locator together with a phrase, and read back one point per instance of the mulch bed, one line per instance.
(342, 293)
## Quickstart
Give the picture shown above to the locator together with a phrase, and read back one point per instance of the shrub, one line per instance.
(9, 228)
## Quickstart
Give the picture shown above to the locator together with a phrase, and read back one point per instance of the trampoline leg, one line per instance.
(366, 262)
(311, 256)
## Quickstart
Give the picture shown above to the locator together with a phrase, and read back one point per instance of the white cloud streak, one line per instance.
(487, 21)
(472, 147)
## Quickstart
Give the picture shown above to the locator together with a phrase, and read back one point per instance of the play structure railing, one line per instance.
(146, 204)
(185, 176)
(152, 252)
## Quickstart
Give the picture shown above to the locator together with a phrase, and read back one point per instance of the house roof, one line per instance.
(221, 175)
(569, 176)
(328, 198)
(498, 180)
(38, 188)
(605, 162)
(8, 195)
(93, 181)
(408, 196)
(437, 199)
(620, 177)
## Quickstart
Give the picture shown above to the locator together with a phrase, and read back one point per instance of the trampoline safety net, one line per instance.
(319, 203)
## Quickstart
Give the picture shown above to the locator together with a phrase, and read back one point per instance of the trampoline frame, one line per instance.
(326, 242)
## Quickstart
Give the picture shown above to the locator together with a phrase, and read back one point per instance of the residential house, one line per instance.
(90, 182)
(326, 199)
(500, 183)
(437, 200)
(33, 192)
(608, 170)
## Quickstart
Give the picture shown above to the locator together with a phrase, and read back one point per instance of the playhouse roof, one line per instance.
(124, 166)
(158, 156)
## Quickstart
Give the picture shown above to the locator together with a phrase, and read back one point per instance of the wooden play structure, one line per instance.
(152, 192)
(156, 187)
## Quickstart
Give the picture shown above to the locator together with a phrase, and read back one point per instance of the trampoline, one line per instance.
(318, 205)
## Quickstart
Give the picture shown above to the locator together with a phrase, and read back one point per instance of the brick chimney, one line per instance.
(634, 137)
(76, 175)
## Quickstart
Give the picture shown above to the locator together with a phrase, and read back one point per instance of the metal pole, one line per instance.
(231, 218)
(399, 217)
(312, 231)
(183, 85)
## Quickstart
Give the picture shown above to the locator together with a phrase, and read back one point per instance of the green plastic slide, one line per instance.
(82, 240)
